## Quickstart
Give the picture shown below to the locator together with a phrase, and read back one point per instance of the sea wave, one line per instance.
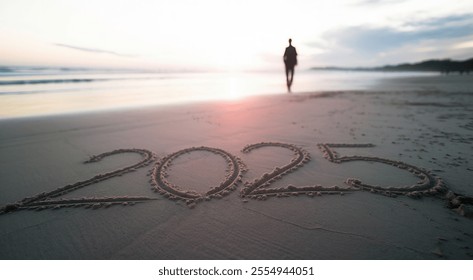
(48, 81)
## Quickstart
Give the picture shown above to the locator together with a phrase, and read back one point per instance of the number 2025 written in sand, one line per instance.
(259, 188)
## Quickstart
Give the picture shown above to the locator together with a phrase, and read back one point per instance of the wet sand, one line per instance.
(383, 173)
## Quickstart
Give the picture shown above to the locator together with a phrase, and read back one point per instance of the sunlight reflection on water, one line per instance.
(31, 95)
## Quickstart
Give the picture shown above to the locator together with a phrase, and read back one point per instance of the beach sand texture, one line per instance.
(377, 174)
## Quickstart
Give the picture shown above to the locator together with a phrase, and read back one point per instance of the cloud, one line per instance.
(373, 40)
(445, 21)
(93, 50)
(371, 44)
(376, 2)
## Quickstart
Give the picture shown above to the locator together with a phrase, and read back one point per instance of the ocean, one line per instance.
(35, 91)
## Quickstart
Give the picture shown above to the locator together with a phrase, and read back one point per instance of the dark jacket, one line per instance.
(290, 56)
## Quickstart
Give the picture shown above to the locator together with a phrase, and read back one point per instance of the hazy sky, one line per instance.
(232, 35)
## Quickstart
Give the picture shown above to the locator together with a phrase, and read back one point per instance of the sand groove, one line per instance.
(429, 184)
(174, 192)
(46, 199)
(258, 189)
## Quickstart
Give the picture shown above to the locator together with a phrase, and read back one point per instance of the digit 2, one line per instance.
(49, 199)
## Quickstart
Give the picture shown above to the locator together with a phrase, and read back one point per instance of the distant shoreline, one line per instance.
(445, 66)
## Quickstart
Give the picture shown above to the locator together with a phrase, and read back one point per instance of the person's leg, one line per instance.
(287, 78)
(292, 76)
(287, 75)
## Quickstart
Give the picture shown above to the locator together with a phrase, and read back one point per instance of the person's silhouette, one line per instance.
(290, 60)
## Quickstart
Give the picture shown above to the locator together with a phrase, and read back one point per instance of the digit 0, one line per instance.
(167, 189)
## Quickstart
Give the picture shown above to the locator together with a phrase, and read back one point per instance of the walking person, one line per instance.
(290, 61)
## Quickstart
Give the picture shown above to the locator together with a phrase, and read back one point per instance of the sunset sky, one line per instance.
(232, 35)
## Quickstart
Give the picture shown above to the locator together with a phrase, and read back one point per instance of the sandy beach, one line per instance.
(383, 173)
